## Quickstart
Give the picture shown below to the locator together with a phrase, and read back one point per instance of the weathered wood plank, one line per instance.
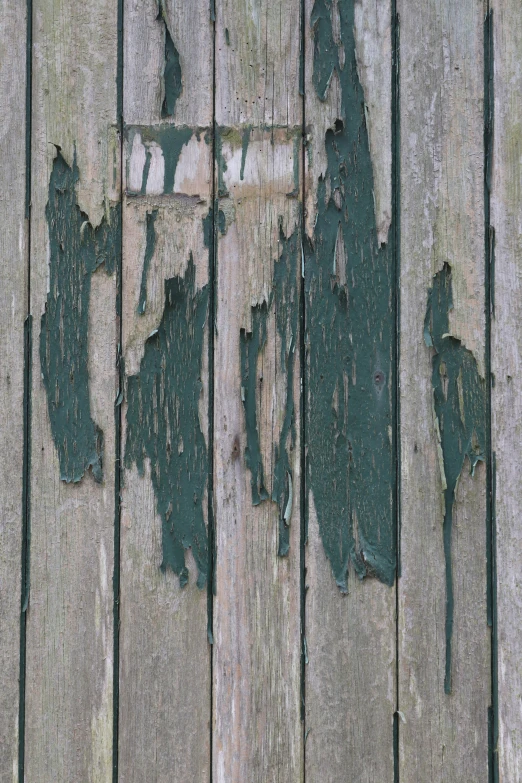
(256, 719)
(444, 640)
(13, 308)
(164, 653)
(350, 675)
(506, 347)
(74, 250)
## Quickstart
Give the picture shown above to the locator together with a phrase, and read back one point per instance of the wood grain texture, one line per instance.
(69, 622)
(256, 717)
(13, 308)
(164, 651)
(350, 674)
(506, 347)
(443, 737)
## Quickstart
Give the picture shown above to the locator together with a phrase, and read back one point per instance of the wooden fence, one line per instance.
(260, 355)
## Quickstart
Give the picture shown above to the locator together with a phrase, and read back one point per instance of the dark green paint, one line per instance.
(171, 139)
(284, 301)
(227, 37)
(163, 423)
(286, 305)
(172, 71)
(76, 251)
(208, 226)
(459, 395)
(350, 333)
(149, 252)
(252, 343)
(146, 170)
(245, 138)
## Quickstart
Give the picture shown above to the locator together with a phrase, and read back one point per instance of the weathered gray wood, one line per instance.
(13, 307)
(69, 622)
(350, 675)
(164, 727)
(257, 734)
(442, 737)
(506, 346)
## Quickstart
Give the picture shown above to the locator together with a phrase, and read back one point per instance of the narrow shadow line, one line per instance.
(489, 250)
(395, 174)
(26, 479)
(302, 369)
(212, 275)
(118, 419)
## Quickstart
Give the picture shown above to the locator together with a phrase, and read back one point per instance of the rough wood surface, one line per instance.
(506, 347)
(350, 674)
(13, 308)
(69, 622)
(256, 716)
(164, 651)
(443, 737)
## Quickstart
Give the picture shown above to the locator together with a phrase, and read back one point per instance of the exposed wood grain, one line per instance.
(506, 347)
(164, 652)
(13, 307)
(69, 622)
(350, 675)
(443, 737)
(257, 730)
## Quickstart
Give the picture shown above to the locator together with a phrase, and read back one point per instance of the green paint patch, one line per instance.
(163, 423)
(149, 252)
(247, 130)
(76, 251)
(221, 163)
(208, 225)
(172, 71)
(350, 332)
(171, 139)
(459, 395)
(284, 302)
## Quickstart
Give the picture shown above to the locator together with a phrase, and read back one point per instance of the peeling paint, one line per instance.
(208, 225)
(163, 423)
(252, 344)
(247, 130)
(286, 305)
(172, 80)
(349, 289)
(284, 302)
(459, 397)
(76, 251)
(169, 140)
(149, 252)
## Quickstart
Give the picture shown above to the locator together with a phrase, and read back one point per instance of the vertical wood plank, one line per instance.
(506, 346)
(74, 249)
(164, 652)
(443, 736)
(349, 301)
(256, 717)
(13, 306)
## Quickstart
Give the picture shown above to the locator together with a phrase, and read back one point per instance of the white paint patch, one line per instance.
(374, 59)
(156, 175)
(265, 161)
(136, 165)
(193, 169)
